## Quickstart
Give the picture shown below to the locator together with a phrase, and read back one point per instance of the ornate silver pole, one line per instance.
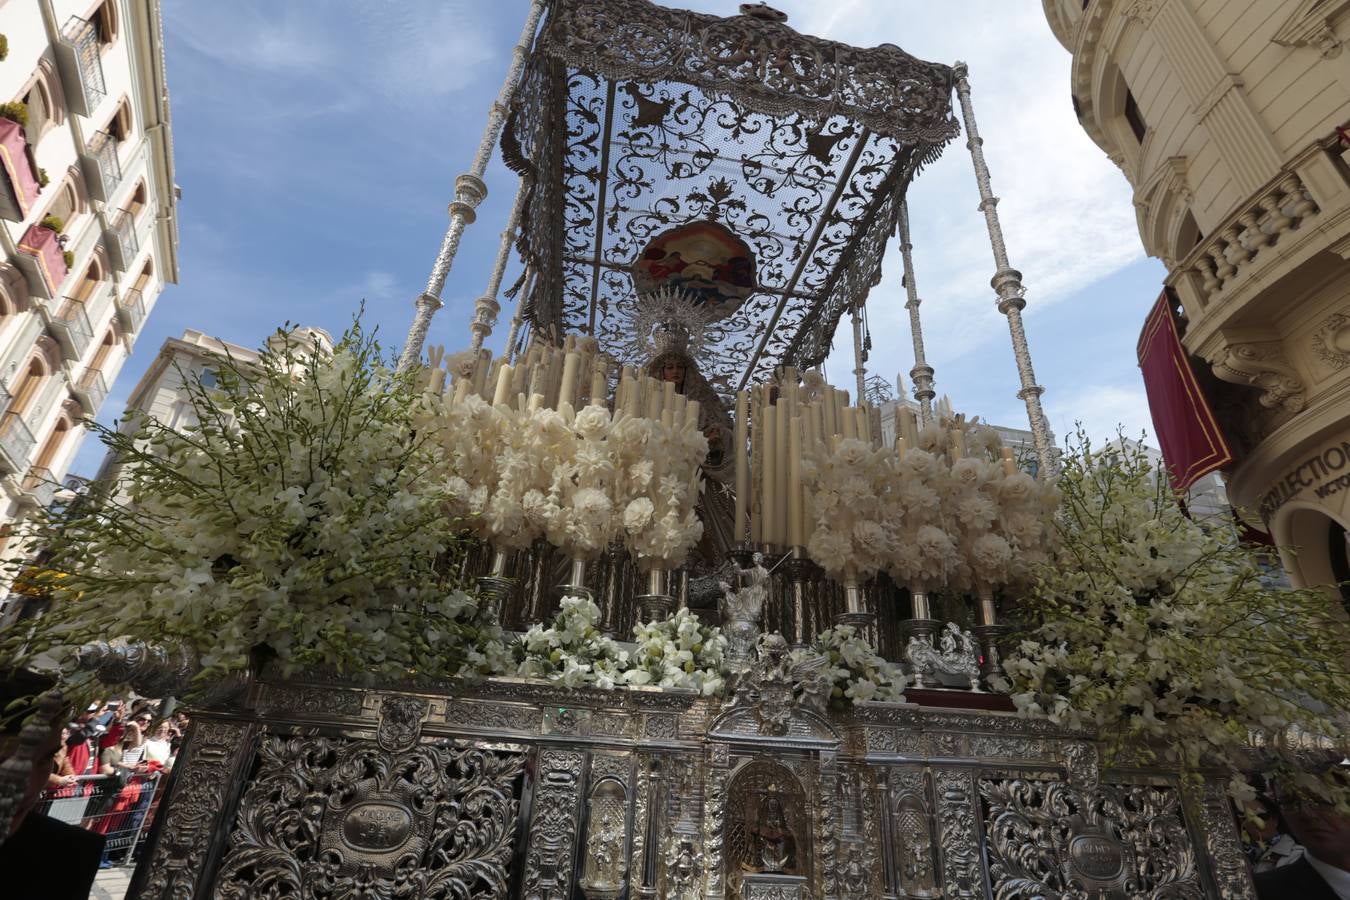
(922, 373)
(469, 192)
(859, 361)
(486, 307)
(1007, 283)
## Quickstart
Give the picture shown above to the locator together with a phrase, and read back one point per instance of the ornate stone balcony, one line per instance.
(81, 64)
(16, 440)
(102, 170)
(91, 390)
(1220, 261)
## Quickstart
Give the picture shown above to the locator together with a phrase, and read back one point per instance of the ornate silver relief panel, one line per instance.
(554, 822)
(195, 809)
(334, 817)
(1046, 838)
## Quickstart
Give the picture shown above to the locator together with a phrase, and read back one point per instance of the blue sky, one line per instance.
(317, 144)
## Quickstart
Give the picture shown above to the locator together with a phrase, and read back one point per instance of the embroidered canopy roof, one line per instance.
(634, 120)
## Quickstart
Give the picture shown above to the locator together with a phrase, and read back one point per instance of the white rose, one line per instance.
(592, 422)
(638, 514)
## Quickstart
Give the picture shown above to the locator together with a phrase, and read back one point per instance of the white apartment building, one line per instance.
(88, 225)
(162, 392)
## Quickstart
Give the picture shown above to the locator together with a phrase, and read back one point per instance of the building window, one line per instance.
(120, 124)
(39, 103)
(104, 20)
(25, 393)
(208, 378)
(1134, 117)
(1338, 546)
(143, 279)
(104, 350)
(136, 205)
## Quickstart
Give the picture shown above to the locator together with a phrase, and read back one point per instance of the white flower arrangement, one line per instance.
(572, 650)
(1158, 632)
(856, 671)
(846, 489)
(961, 522)
(302, 520)
(679, 652)
(662, 478)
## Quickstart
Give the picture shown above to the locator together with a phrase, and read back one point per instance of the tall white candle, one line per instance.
(796, 521)
(742, 466)
(503, 385)
(568, 387)
(770, 496)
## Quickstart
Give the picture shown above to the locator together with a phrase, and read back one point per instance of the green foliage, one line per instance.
(298, 519)
(55, 223)
(16, 111)
(42, 178)
(4, 47)
(69, 257)
(1166, 636)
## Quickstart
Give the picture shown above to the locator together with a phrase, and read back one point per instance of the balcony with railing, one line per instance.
(91, 390)
(43, 260)
(39, 487)
(72, 329)
(79, 59)
(131, 311)
(16, 441)
(123, 246)
(20, 187)
(102, 171)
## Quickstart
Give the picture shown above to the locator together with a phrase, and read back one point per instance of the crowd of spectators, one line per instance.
(109, 770)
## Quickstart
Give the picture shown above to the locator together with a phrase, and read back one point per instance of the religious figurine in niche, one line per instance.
(777, 849)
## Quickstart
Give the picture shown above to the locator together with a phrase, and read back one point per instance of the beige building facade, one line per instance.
(88, 224)
(1226, 118)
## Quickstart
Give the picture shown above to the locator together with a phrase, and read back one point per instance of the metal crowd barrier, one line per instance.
(99, 803)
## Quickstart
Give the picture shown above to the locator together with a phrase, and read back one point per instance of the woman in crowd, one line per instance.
(158, 747)
(125, 763)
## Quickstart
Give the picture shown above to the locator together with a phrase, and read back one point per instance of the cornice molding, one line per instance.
(1310, 26)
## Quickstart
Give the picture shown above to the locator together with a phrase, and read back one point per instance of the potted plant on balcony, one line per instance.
(16, 112)
(58, 225)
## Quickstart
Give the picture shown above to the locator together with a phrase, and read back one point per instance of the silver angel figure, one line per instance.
(741, 610)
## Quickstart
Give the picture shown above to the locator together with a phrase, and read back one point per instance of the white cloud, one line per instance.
(1103, 409)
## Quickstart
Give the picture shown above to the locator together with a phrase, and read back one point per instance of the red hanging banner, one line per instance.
(1192, 444)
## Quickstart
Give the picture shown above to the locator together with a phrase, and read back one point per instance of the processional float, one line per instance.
(702, 201)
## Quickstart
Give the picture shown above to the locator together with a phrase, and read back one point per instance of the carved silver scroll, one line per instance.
(337, 817)
(1232, 875)
(194, 807)
(1046, 838)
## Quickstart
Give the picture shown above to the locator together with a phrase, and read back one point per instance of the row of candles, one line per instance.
(777, 427)
(568, 377)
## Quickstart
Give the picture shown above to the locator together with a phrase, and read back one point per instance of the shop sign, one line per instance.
(1323, 474)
